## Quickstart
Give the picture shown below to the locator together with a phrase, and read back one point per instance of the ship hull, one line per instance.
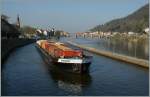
(73, 66)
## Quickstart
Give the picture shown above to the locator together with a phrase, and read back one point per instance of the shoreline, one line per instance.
(119, 57)
(9, 45)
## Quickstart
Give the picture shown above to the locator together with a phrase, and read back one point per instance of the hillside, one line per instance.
(135, 22)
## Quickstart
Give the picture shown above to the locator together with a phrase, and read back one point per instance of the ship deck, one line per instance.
(60, 46)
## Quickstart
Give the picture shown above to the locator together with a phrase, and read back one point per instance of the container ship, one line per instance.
(65, 57)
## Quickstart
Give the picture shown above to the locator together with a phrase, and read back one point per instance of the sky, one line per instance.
(68, 15)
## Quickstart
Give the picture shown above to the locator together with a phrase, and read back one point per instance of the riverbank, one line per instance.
(129, 45)
(8, 45)
(139, 62)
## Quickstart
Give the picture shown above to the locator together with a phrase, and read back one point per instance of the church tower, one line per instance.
(18, 22)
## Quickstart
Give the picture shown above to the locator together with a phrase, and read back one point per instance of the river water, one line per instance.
(133, 49)
(26, 73)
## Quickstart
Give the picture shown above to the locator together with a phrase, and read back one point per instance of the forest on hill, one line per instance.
(134, 22)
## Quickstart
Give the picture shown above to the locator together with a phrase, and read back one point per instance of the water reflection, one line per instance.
(139, 49)
(146, 50)
(69, 82)
(130, 48)
(69, 87)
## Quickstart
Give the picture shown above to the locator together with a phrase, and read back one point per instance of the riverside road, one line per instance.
(26, 73)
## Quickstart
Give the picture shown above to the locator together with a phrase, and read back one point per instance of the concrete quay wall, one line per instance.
(132, 60)
(8, 45)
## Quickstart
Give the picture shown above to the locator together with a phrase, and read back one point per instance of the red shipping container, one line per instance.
(72, 53)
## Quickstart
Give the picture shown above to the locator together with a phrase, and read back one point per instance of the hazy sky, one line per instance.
(68, 15)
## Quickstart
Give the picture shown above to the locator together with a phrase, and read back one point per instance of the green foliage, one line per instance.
(57, 34)
(135, 22)
(28, 30)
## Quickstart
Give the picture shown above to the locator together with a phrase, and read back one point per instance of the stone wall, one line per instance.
(8, 45)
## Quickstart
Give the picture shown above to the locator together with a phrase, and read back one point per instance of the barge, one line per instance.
(65, 57)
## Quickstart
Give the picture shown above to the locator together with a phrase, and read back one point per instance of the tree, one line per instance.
(28, 30)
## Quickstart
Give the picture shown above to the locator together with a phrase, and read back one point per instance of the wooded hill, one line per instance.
(135, 22)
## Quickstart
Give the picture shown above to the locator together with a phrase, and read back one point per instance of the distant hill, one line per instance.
(135, 22)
